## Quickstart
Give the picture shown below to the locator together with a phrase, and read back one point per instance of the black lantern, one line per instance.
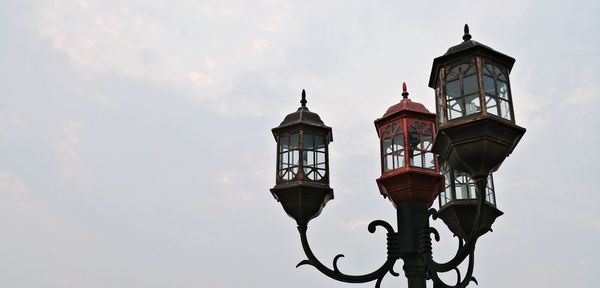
(302, 180)
(458, 202)
(476, 123)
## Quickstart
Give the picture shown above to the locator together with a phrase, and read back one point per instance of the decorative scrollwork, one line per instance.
(466, 248)
(336, 274)
(460, 282)
(421, 258)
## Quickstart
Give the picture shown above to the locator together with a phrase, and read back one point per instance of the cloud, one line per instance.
(137, 144)
(354, 225)
(67, 147)
(260, 45)
(201, 79)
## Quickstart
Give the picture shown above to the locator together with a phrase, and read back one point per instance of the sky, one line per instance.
(137, 151)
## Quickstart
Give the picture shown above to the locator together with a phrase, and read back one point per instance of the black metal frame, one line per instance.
(418, 260)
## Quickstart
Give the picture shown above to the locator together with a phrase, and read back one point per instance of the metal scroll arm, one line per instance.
(464, 248)
(460, 282)
(435, 268)
(378, 274)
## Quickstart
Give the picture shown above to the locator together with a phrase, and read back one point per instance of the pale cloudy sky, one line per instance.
(137, 152)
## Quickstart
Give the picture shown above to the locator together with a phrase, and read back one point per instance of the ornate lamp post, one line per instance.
(476, 132)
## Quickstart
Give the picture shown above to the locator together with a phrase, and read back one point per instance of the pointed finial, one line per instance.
(467, 36)
(303, 101)
(404, 90)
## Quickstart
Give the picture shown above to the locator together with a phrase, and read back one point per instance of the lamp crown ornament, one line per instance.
(466, 36)
(303, 100)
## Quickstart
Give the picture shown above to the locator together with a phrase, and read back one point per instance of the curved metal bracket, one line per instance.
(460, 282)
(336, 274)
(465, 248)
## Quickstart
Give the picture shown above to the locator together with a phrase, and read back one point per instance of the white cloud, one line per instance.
(9, 122)
(68, 152)
(231, 186)
(217, 10)
(201, 79)
(357, 224)
(211, 63)
(260, 45)
(227, 178)
(13, 187)
(275, 24)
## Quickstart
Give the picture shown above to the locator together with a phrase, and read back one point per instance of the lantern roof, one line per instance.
(466, 48)
(405, 105)
(302, 116)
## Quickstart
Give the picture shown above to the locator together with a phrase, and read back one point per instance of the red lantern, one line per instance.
(409, 169)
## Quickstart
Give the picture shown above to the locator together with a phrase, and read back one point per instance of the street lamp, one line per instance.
(476, 131)
(476, 123)
(302, 181)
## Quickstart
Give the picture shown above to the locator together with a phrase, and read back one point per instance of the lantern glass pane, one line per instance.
(495, 82)
(488, 85)
(490, 197)
(392, 147)
(284, 142)
(461, 86)
(416, 160)
(447, 193)
(429, 160)
(289, 156)
(314, 158)
(502, 90)
(472, 104)
(453, 89)
(455, 109)
(444, 198)
(321, 161)
(420, 141)
(471, 85)
(492, 105)
(505, 110)
(501, 76)
(464, 186)
(447, 185)
(452, 73)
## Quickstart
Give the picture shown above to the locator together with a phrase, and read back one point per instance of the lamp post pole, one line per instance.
(449, 156)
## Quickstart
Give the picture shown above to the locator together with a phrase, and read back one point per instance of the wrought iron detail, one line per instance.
(393, 254)
(465, 251)
(465, 248)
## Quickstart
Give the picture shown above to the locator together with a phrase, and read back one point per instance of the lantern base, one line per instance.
(302, 201)
(411, 186)
(479, 146)
(459, 216)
